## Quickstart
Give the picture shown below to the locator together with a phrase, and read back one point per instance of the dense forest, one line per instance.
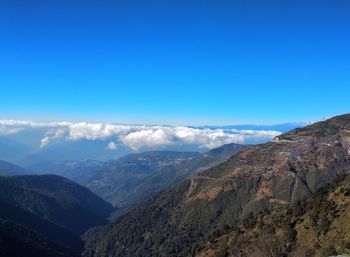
(45, 215)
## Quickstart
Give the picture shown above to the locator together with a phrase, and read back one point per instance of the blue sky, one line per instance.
(174, 62)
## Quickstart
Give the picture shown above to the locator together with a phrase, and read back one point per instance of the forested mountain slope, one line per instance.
(318, 226)
(17, 240)
(55, 199)
(264, 177)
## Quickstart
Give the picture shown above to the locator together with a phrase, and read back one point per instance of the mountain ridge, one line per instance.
(135, 177)
(266, 176)
(10, 169)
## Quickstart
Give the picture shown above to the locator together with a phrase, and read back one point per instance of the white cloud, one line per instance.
(32, 124)
(139, 136)
(112, 146)
(44, 141)
(150, 137)
(4, 130)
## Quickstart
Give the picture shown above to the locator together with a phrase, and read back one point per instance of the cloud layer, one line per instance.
(138, 137)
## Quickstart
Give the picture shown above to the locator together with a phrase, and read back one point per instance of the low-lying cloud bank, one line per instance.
(138, 136)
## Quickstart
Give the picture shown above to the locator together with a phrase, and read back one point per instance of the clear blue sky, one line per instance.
(174, 62)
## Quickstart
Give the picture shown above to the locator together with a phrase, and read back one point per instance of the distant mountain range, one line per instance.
(193, 217)
(9, 169)
(283, 127)
(135, 177)
(75, 150)
(12, 150)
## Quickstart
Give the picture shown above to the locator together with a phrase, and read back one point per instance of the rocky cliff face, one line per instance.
(267, 176)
